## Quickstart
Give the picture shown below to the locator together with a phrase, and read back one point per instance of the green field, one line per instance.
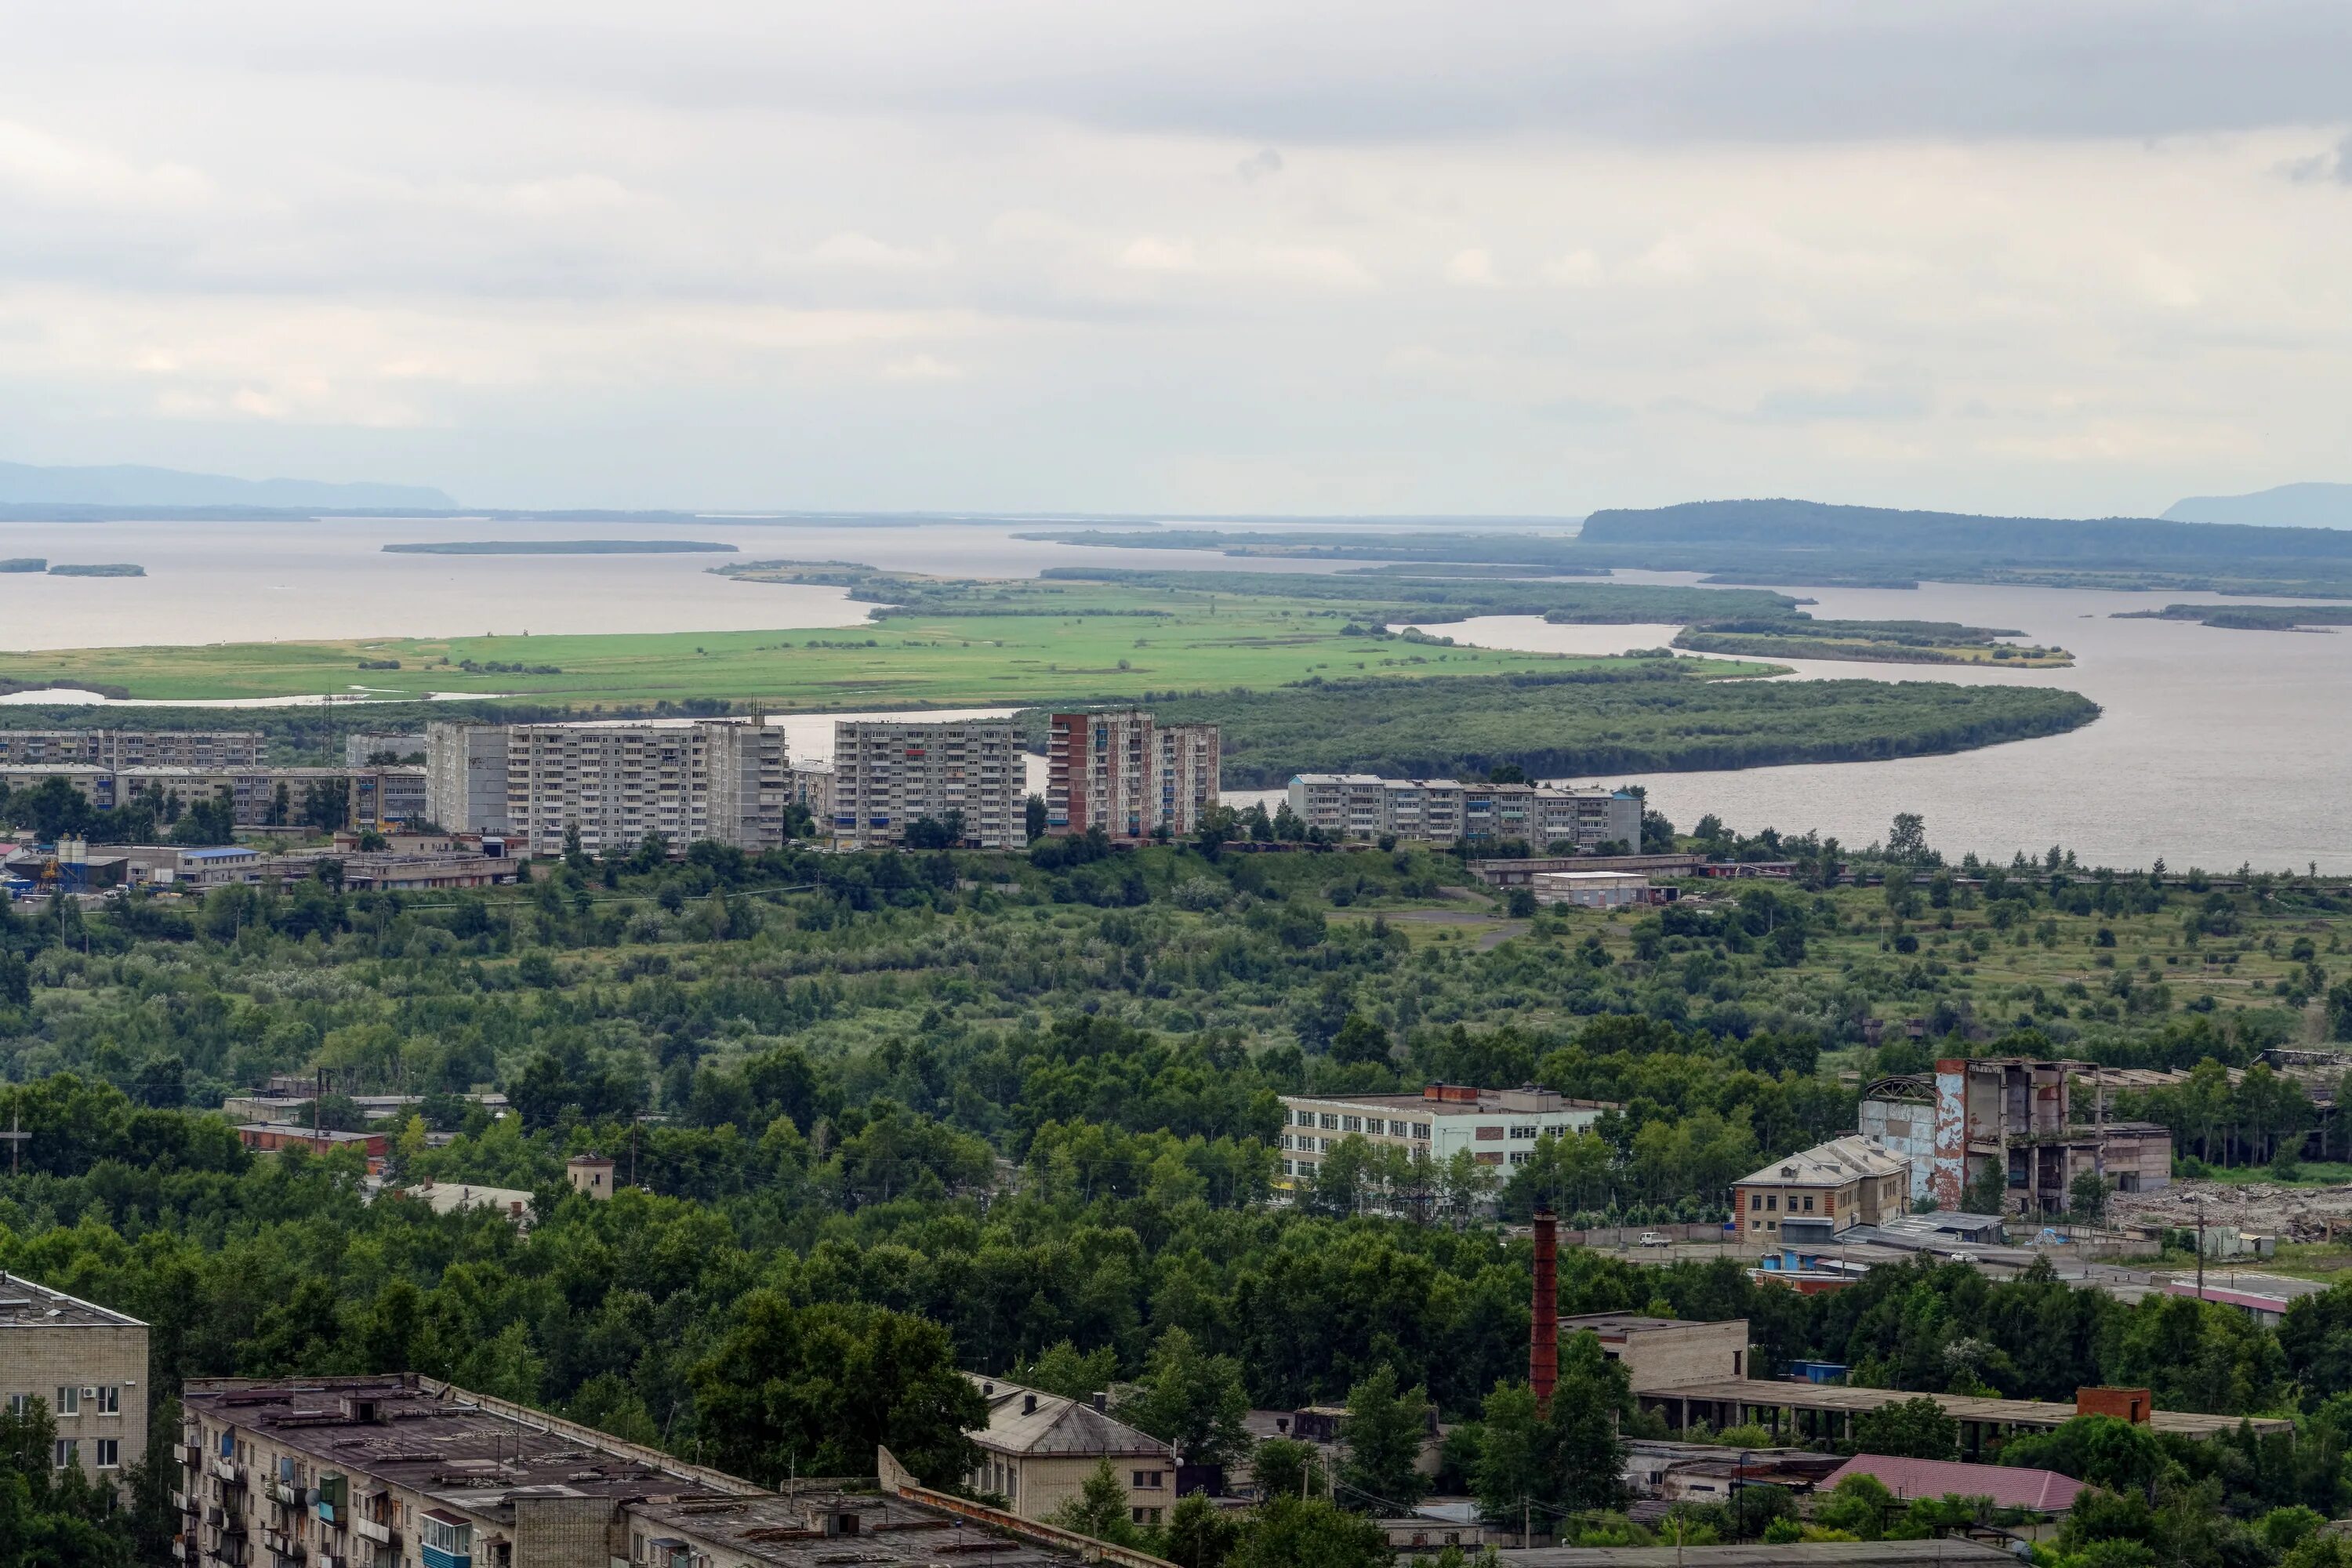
(1062, 641)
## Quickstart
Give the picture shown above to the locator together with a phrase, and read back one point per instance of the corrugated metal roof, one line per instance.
(2043, 1491)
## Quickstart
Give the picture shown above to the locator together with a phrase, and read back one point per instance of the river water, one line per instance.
(2216, 748)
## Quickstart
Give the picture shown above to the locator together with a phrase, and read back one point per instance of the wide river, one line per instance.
(2216, 748)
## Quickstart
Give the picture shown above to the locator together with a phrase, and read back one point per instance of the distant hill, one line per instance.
(129, 485)
(1880, 531)
(2281, 506)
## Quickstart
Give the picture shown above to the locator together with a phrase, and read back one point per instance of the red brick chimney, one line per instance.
(1543, 1335)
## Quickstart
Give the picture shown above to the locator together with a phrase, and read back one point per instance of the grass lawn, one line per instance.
(1079, 640)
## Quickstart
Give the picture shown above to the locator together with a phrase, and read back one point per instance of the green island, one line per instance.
(2250, 618)
(108, 569)
(562, 547)
(1020, 1115)
(1882, 642)
(23, 563)
(1801, 543)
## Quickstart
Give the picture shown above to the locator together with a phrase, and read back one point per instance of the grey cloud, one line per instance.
(1806, 70)
(1259, 164)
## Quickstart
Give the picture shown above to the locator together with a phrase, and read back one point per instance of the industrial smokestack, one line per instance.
(1543, 1335)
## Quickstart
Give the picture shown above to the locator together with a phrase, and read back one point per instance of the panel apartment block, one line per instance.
(1127, 774)
(887, 774)
(398, 1471)
(1445, 811)
(87, 1364)
(618, 783)
(134, 748)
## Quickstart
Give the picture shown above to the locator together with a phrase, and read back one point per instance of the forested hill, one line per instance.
(1880, 531)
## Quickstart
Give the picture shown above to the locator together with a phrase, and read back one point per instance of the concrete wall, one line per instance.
(567, 1532)
(1907, 1127)
(1683, 1353)
(38, 1362)
(1949, 1172)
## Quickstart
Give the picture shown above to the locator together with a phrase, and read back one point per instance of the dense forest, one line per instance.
(917, 1112)
(1648, 717)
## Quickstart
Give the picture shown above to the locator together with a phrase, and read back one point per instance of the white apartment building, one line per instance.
(727, 780)
(724, 780)
(1442, 811)
(1498, 1126)
(1128, 775)
(88, 1363)
(890, 772)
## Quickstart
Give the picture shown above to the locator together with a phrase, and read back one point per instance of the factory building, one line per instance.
(1497, 1126)
(2020, 1115)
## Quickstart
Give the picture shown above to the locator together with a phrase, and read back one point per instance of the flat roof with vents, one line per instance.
(26, 1305)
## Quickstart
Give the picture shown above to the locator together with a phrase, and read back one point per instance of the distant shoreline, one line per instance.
(563, 547)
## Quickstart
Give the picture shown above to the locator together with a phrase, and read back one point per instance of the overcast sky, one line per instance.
(1256, 255)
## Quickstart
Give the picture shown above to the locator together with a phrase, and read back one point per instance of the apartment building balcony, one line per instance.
(370, 1529)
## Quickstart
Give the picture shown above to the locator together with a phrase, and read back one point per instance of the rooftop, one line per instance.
(24, 1305)
(440, 1441)
(1030, 1421)
(1532, 1101)
(2043, 1491)
(790, 1530)
(1607, 1323)
(1830, 1164)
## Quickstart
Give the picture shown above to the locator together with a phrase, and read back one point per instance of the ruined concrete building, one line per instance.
(2045, 1122)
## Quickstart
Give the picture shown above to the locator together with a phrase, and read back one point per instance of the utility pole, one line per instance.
(16, 1136)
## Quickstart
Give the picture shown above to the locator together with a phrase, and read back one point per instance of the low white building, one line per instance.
(1590, 889)
(1497, 1126)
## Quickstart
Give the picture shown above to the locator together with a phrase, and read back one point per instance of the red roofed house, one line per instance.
(2043, 1491)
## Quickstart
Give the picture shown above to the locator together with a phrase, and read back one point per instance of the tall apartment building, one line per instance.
(1498, 1126)
(1127, 774)
(88, 1363)
(395, 1471)
(1445, 811)
(718, 779)
(888, 773)
(465, 777)
(133, 748)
